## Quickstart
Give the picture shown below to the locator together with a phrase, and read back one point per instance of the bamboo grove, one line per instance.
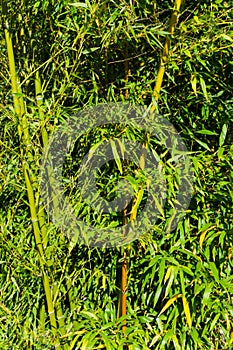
(165, 290)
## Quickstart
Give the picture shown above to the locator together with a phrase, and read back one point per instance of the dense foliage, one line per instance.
(180, 286)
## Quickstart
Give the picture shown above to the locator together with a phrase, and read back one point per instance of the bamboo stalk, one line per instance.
(39, 101)
(124, 277)
(59, 311)
(41, 216)
(159, 80)
(124, 266)
(19, 108)
(165, 52)
(124, 288)
(60, 318)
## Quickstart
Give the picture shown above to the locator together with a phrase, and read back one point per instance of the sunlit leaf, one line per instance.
(170, 302)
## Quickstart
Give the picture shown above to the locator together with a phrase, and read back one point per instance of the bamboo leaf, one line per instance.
(187, 311)
(214, 271)
(207, 292)
(90, 314)
(194, 83)
(176, 342)
(117, 158)
(223, 135)
(203, 87)
(203, 144)
(155, 339)
(206, 132)
(170, 302)
(79, 4)
(203, 234)
(168, 273)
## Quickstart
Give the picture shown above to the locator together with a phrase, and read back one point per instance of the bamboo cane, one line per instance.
(165, 52)
(159, 80)
(41, 216)
(26, 155)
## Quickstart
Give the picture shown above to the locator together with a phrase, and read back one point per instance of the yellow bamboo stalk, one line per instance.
(159, 80)
(124, 276)
(165, 52)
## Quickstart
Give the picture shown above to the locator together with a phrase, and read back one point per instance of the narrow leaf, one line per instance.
(214, 271)
(206, 132)
(203, 86)
(223, 135)
(187, 311)
(203, 234)
(116, 156)
(170, 302)
(79, 4)
(194, 83)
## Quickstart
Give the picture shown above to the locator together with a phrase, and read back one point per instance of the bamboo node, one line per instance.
(124, 291)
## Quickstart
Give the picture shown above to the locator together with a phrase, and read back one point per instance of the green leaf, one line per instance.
(207, 292)
(194, 83)
(117, 158)
(214, 271)
(203, 86)
(194, 334)
(92, 49)
(90, 315)
(223, 135)
(206, 132)
(203, 144)
(79, 4)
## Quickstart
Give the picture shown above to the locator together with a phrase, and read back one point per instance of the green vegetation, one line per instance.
(58, 57)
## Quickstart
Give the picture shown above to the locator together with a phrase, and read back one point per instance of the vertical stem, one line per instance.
(60, 318)
(29, 178)
(163, 61)
(42, 318)
(126, 64)
(124, 288)
(124, 272)
(39, 100)
(165, 52)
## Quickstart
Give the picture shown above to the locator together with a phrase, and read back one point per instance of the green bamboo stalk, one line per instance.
(71, 302)
(51, 310)
(60, 317)
(39, 100)
(42, 319)
(19, 107)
